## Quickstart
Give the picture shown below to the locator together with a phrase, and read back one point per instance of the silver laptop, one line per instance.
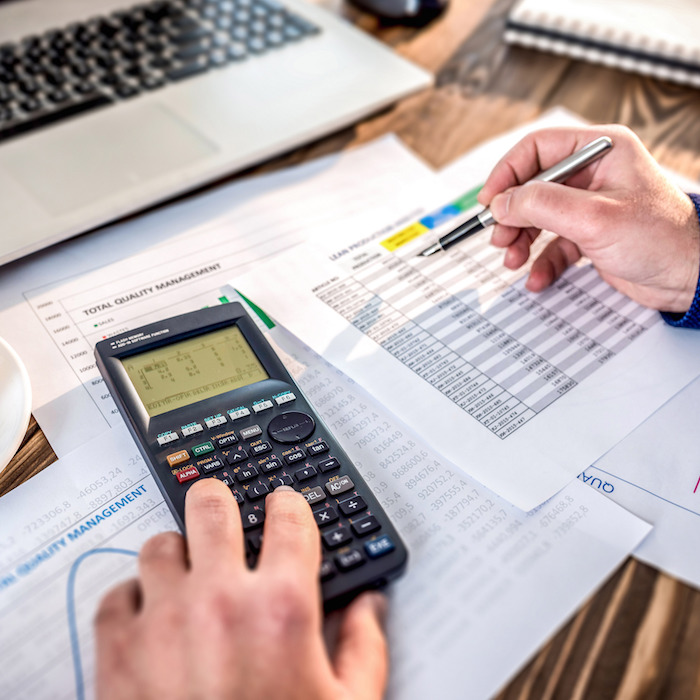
(106, 107)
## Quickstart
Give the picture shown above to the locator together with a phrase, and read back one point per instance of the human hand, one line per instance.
(638, 229)
(200, 624)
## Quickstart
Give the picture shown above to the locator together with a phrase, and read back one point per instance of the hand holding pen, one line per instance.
(557, 173)
(622, 212)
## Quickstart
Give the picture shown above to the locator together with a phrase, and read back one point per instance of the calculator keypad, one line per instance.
(252, 465)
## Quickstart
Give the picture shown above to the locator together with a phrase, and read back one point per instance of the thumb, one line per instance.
(362, 645)
(569, 211)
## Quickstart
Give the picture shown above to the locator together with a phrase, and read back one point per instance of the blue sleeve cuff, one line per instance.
(691, 318)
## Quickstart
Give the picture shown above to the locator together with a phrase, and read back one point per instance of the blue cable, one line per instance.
(72, 619)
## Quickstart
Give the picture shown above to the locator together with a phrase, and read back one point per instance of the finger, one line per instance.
(118, 607)
(550, 265)
(576, 214)
(362, 644)
(162, 565)
(114, 636)
(518, 252)
(503, 236)
(214, 529)
(538, 151)
(291, 542)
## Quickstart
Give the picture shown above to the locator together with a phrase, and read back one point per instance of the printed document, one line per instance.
(56, 305)
(522, 391)
(486, 583)
(655, 473)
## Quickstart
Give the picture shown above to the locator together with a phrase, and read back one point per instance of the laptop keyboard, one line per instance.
(61, 73)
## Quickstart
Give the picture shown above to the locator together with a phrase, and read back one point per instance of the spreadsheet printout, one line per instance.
(518, 576)
(522, 390)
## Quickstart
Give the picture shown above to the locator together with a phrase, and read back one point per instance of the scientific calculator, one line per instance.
(205, 396)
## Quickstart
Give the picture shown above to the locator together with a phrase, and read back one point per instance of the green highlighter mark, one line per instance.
(468, 199)
(260, 313)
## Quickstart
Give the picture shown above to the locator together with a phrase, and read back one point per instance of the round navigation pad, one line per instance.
(290, 427)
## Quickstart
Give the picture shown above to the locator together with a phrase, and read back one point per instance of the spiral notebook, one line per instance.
(660, 38)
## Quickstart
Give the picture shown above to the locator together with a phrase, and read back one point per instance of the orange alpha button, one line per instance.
(178, 457)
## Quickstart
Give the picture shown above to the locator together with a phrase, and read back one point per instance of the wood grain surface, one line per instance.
(639, 635)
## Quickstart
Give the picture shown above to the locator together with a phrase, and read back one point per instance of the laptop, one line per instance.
(107, 108)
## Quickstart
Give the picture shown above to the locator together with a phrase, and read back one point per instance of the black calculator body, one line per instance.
(204, 395)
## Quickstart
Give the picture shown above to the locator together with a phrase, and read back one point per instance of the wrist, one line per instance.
(688, 316)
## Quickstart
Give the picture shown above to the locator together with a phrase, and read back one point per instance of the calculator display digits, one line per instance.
(205, 396)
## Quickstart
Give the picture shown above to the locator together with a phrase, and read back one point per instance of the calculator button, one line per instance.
(270, 465)
(214, 421)
(191, 429)
(340, 485)
(167, 438)
(246, 473)
(178, 457)
(314, 495)
(210, 465)
(317, 448)
(352, 505)
(281, 480)
(187, 474)
(203, 449)
(226, 440)
(281, 399)
(305, 473)
(260, 448)
(225, 478)
(327, 570)
(328, 465)
(238, 496)
(365, 526)
(294, 456)
(291, 427)
(349, 560)
(325, 516)
(251, 432)
(379, 547)
(254, 519)
(337, 538)
(236, 413)
(260, 406)
(256, 491)
(236, 456)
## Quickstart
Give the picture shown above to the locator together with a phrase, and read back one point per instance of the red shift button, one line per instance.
(187, 474)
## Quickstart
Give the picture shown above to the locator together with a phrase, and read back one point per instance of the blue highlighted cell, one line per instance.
(440, 216)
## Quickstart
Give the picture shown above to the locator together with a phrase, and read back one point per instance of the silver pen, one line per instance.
(557, 173)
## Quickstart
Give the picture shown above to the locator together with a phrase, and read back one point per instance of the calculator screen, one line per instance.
(198, 368)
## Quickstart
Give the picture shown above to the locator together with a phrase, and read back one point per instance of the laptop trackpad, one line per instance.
(89, 160)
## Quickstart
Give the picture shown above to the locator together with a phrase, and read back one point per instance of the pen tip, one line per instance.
(430, 251)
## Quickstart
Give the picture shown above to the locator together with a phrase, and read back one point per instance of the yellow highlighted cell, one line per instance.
(405, 235)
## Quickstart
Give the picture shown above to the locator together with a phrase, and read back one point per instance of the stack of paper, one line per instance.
(488, 393)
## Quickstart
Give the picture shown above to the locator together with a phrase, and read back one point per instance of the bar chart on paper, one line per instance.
(113, 307)
(175, 260)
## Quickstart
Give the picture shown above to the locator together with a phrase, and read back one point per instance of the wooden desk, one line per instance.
(639, 636)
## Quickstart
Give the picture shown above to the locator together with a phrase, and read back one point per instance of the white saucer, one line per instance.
(15, 402)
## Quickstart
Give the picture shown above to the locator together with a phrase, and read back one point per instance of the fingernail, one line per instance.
(283, 487)
(500, 205)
